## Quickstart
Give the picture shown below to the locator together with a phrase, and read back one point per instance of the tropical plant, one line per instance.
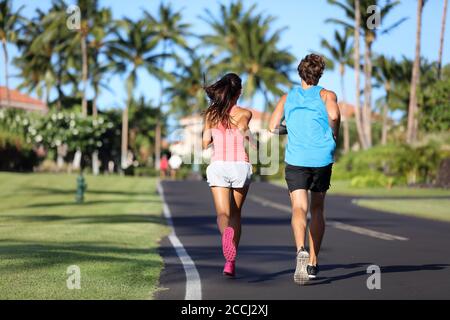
(9, 23)
(172, 32)
(99, 45)
(441, 40)
(186, 88)
(144, 118)
(133, 48)
(242, 40)
(411, 134)
(340, 51)
(386, 70)
(370, 33)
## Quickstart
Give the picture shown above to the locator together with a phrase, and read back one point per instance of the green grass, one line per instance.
(342, 187)
(113, 237)
(423, 208)
(416, 203)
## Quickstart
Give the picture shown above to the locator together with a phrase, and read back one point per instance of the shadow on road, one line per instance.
(384, 270)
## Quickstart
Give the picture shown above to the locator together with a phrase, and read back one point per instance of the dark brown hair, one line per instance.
(311, 68)
(222, 95)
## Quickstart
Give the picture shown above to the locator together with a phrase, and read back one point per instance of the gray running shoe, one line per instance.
(301, 274)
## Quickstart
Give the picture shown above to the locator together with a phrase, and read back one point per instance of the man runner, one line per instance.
(312, 120)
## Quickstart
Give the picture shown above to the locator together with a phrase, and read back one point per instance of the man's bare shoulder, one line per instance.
(328, 95)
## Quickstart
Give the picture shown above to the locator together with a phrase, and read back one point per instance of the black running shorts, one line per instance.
(316, 179)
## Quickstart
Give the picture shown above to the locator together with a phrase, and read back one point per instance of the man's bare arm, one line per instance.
(277, 115)
(334, 114)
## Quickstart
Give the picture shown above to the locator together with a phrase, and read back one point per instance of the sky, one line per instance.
(305, 22)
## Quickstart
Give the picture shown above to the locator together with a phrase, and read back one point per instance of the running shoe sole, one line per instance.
(301, 275)
(228, 247)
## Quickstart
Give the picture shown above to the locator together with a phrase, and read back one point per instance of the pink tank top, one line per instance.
(228, 144)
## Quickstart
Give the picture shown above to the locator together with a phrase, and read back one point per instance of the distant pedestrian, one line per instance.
(175, 162)
(312, 120)
(163, 167)
(226, 126)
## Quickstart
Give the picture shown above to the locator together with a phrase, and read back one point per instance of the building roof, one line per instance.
(256, 115)
(21, 101)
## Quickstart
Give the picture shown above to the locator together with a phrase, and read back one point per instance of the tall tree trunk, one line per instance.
(94, 102)
(84, 75)
(367, 108)
(158, 123)
(411, 134)
(384, 128)
(124, 149)
(95, 161)
(358, 119)
(157, 144)
(441, 46)
(5, 55)
(343, 114)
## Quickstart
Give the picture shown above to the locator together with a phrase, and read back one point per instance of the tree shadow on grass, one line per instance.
(87, 202)
(96, 218)
(48, 190)
(31, 255)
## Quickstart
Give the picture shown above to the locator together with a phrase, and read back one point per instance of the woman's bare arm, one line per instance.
(206, 135)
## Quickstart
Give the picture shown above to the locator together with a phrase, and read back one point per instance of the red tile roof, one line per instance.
(20, 100)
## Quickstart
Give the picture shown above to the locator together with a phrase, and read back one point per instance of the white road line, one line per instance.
(335, 224)
(193, 282)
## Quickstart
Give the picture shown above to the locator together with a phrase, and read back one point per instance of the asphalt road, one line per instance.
(413, 254)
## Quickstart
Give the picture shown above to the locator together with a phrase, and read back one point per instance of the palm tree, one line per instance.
(52, 38)
(356, 67)
(89, 12)
(99, 45)
(133, 49)
(36, 70)
(370, 34)
(9, 23)
(186, 88)
(441, 42)
(171, 31)
(340, 52)
(386, 70)
(243, 41)
(411, 133)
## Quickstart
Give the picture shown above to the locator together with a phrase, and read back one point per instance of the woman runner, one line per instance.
(226, 126)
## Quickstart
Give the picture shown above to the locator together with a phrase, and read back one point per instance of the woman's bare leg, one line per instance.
(237, 202)
(221, 198)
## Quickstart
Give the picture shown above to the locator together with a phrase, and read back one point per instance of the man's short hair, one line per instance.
(311, 68)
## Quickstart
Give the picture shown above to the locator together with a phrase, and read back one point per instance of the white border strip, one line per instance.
(335, 224)
(193, 282)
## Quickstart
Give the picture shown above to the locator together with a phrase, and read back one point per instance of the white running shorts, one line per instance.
(229, 174)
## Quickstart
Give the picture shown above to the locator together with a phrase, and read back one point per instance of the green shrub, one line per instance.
(145, 172)
(402, 162)
(372, 180)
(15, 153)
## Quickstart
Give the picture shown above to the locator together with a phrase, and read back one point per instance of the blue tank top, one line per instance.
(310, 137)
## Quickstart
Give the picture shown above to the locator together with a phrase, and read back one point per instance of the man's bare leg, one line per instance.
(316, 226)
(299, 201)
